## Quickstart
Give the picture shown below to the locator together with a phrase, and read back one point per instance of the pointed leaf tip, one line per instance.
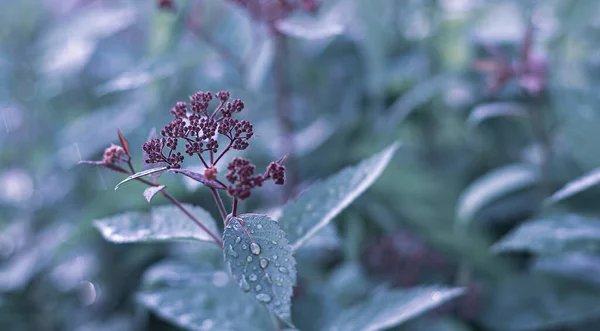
(140, 174)
(317, 206)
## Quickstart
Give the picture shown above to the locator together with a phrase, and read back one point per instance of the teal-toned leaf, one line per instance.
(260, 258)
(492, 186)
(162, 223)
(317, 206)
(389, 308)
(150, 192)
(328, 25)
(140, 174)
(577, 185)
(552, 235)
(493, 110)
(578, 266)
(199, 299)
(537, 302)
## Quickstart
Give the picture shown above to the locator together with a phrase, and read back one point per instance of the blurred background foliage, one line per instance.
(473, 165)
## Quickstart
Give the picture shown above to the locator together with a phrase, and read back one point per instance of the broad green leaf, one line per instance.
(260, 258)
(577, 185)
(497, 109)
(151, 191)
(583, 267)
(327, 25)
(316, 207)
(162, 223)
(552, 235)
(492, 186)
(535, 302)
(200, 299)
(389, 308)
(140, 174)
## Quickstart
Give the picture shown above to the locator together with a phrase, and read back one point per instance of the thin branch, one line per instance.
(219, 203)
(234, 207)
(164, 192)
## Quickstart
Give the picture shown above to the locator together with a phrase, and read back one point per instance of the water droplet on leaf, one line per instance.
(263, 263)
(254, 248)
(283, 270)
(263, 297)
(252, 277)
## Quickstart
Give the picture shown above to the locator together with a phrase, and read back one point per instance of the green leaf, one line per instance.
(260, 258)
(151, 191)
(497, 109)
(577, 185)
(140, 174)
(492, 186)
(552, 235)
(200, 299)
(162, 223)
(535, 302)
(316, 207)
(389, 308)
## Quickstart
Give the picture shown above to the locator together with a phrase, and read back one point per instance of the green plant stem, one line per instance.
(219, 203)
(283, 106)
(543, 139)
(234, 207)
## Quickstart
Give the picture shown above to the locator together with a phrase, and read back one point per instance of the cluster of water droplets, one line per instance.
(258, 269)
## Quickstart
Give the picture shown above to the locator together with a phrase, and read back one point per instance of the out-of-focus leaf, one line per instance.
(411, 100)
(329, 24)
(70, 46)
(150, 192)
(140, 174)
(389, 308)
(492, 186)
(577, 185)
(487, 111)
(533, 302)
(552, 235)
(317, 206)
(260, 258)
(577, 266)
(164, 223)
(305, 140)
(197, 299)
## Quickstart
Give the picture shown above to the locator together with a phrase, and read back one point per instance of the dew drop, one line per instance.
(263, 263)
(244, 284)
(273, 242)
(252, 231)
(252, 277)
(232, 252)
(244, 246)
(237, 240)
(277, 303)
(249, 258)
(283, 270)
(263, 297)
(254, 248)
(258, 288)
(259, 226)
(275, 257)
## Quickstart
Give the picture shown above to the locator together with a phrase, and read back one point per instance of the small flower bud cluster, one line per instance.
(113, 154)
(242, 178)
(200, 128)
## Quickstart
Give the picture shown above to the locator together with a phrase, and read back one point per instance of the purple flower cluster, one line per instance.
(200, 129)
